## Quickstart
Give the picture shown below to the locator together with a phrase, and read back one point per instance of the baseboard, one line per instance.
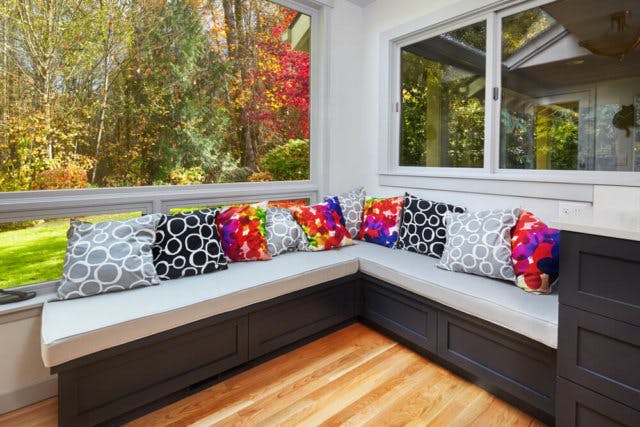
(28, 395)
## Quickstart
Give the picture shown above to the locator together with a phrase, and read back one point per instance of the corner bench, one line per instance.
(122, 354)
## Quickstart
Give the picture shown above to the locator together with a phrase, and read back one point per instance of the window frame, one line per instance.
(567, 185)
(49, 204)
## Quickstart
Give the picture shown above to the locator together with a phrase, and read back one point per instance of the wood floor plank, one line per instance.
(353, 377)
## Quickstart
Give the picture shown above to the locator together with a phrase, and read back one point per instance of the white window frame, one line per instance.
(550, 184)
(48, 204)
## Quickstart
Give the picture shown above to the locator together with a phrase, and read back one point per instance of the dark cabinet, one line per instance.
(599, 331)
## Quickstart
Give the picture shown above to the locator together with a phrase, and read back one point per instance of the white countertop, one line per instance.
(602, 222)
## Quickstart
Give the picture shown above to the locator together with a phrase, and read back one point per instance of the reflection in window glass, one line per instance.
(563, 106)
(110, 93)
(442, 100)
(33, 251)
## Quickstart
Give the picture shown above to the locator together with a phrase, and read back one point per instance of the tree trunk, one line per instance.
(103, 106)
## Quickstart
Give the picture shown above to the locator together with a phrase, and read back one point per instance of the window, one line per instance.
(524, 93)
(145, 107)
(442, 103)
(122, 94)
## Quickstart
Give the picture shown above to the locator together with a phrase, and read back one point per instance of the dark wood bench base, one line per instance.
(124, 382)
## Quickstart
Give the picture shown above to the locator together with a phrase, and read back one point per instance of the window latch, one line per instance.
(397, 107)
(496, 93)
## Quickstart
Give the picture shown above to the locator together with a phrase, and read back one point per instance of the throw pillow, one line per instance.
(480, 243)
(323, 224)
(352, 204)
(423, 229)
(536, 254)
(108, 257)
(242, 232)
(188, 244)
(381, 220)
(284, 234)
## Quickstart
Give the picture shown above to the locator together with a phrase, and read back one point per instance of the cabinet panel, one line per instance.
(600, 353)
(400, 314)
(580, 407)
(299, 317)
(522, 369)
(600, 274)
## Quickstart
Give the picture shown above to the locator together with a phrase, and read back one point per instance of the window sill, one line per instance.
(29, 308)
(496, 184)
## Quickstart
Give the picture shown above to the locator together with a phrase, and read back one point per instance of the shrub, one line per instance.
(184, 176)
(62, 178)
(288, 162)
(260, 177)
(236, 175)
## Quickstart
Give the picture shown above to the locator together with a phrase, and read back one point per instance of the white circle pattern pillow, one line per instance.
(352, 205)
(108, 257)
(480, 243)
(284, 234)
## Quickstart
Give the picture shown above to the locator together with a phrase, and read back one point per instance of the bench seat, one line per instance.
(498, 302)
(75, 328)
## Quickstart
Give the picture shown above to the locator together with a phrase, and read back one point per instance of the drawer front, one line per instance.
(600, 274)
(600, 353)
(96, 392)
(518, 366)
(400, 314)
(580, 407)
(300, 317)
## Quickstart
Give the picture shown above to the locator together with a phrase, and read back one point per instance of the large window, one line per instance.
(563, 79)
(114, 93)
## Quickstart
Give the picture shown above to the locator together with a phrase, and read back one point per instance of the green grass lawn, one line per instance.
(36, 254)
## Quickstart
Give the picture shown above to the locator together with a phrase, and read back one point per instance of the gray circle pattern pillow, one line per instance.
(423, 229)
(352, 205)
(188, 244)
(480, 243)
(108, 257)
(284, 234)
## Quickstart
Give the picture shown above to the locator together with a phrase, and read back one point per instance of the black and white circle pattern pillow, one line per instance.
(284, 234)
(108, 257)
(480, 243)
(423, 229)
(352, 205)
(188, 244)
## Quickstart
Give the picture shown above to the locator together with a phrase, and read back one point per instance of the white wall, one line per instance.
(23, 376)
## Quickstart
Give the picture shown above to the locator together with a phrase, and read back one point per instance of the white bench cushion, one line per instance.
(501, 303)
(75, 328)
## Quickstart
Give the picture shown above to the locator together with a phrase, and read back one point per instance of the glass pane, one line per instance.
(272, 203)
(571, 87)
(33, 251)
(442, 102)
(127, 93)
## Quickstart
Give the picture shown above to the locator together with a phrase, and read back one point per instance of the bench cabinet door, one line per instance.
(400, 312)
(521, 368)
(98, 391)
(299, 316)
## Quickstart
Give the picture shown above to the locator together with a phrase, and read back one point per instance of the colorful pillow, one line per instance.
(423, 229)
(188, 244)
(108, 257)
(536, 254)
(480, 243)
(352, 204)
(242, 232)
(284, 234)
(323, 224)
(381, 220)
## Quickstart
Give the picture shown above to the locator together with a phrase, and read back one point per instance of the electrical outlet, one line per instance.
(567, 209)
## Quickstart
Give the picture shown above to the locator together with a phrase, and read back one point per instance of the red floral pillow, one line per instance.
(323, 224)
(242, 232)
(381, 220)
(536, 254)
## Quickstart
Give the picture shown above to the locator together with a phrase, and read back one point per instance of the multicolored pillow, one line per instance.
(323, 224)
(381, 220)
(242, 232)
(536, 254)
(352, 204)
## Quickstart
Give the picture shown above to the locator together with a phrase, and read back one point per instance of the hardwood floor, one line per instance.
(352, 377)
